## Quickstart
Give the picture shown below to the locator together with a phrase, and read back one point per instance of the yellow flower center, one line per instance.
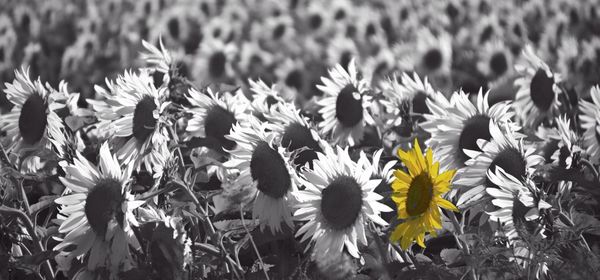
(420, 194)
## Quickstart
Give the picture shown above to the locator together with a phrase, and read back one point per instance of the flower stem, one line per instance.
(461, 244)
(262, 264)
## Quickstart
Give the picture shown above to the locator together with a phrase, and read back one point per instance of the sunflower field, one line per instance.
(299, 139)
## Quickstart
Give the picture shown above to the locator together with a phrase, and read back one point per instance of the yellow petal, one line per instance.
(446, 176)
(419, 155)
(429, 155)
(445, 204)
(402, 176)
(421, 240)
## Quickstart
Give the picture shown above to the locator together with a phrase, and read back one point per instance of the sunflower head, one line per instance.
(418, 196)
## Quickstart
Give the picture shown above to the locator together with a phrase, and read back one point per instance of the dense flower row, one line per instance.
(313, 167)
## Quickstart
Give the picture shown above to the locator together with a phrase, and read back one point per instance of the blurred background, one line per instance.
(464, 44)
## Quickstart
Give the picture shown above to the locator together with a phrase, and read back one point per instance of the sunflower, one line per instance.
(338, 201)
(159, 60)
(537, 97)
(317, 22)
(517, 210)
(568, 143)
(455, 133)
(517, 204)
(292, 79)
(172, 26)
(367, 23)
(275, 32)
(254, 60)
(214, 114)
(26, 21)
(96, 215)
(495, 61)
(264, 164)
(214, 62)
(264, 97)
(341, 10)
(418, 195)
(341, 50)
(133, 113)
(409, 95)
(506, 150)
(32, 126)
(590, 122)
(434, 53)
(381, 64)
(486, 28)
(344, 105)
(296, 134)
(217, 30)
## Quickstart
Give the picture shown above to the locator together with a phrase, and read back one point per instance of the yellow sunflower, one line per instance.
(418, 196)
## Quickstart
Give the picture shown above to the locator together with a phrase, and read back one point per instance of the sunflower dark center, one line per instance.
(420, 194)
(541, 90)
(475, 128)
(340, 14)
(193, 40)
(432, 59)
(32, 121)
(404, 12)
(511, 160)
(278, 31)
(173, 26)
(102, 204)
(217, 33)
(370, 30)
(296, 136)
(419, 103)
(348, 109)
(452, 11)
(517, 30)
(315, 21)
(143, 118)
(294, 79)
(487, 33)
(218, 123)
(381, 68)
(498, 63)
(268, 168)
(216, 64)
(341, 202)
(25, 22)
